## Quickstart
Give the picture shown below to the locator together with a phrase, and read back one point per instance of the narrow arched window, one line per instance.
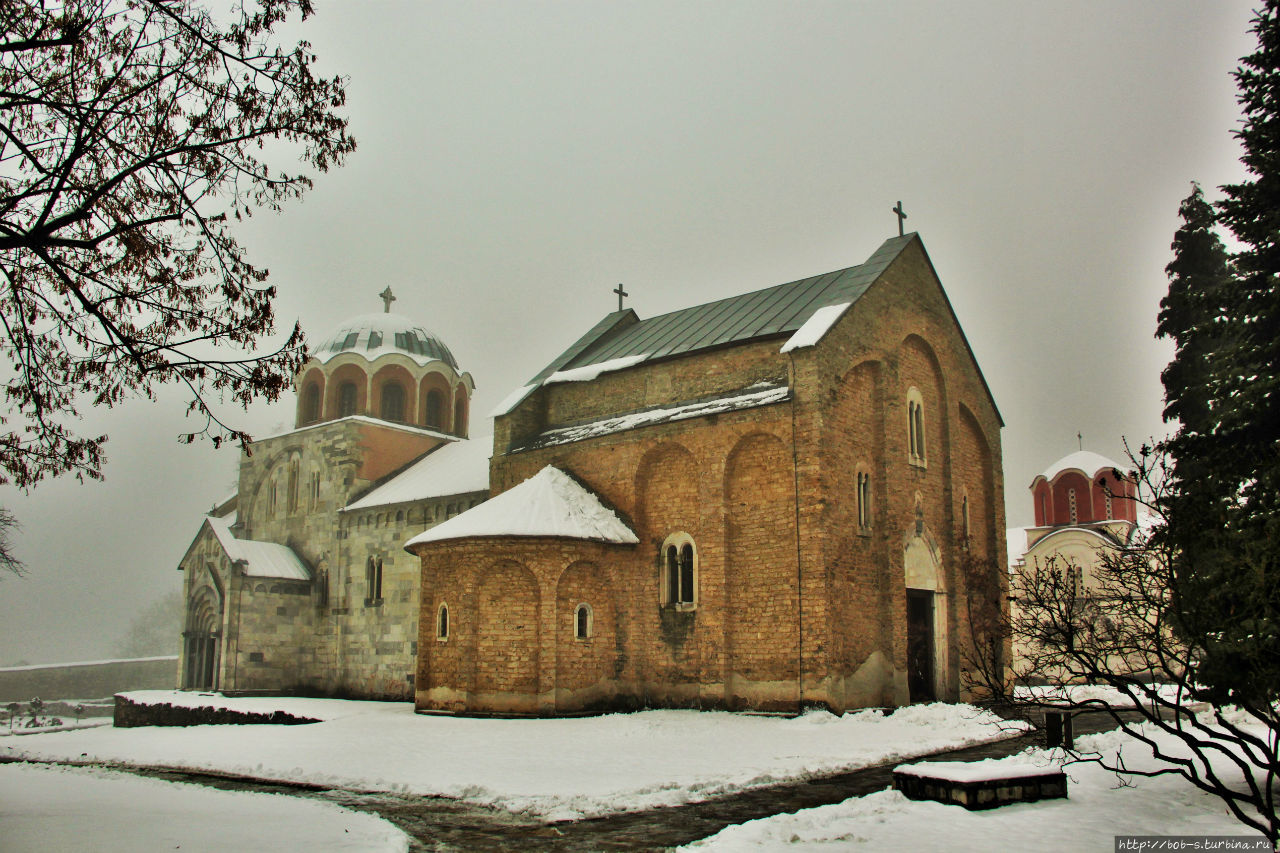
(864, 501)
(915, 427)
(460, 417)
(435, 409)
(582, 622)
(442, 622)
(679, 581)
(311, 403)
(964, 516)
(373, 573)
(393, 402)
(346, 399)
(293, 486)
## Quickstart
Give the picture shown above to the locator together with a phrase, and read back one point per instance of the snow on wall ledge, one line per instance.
(550, 503)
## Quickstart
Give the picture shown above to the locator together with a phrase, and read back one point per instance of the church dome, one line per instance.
(1086, 461)
(374, 335)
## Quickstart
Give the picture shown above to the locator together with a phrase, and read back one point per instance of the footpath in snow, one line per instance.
(553, 768)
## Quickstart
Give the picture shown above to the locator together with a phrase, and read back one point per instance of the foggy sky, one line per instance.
(517, 161)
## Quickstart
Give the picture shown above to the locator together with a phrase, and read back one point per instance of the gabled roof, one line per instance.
(550, 503)
(772, 312)
(261, 559)
(450, 469)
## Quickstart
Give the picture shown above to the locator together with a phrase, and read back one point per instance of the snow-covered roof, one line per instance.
(375, 335)
(1084, 460)
(760, 394)
(591, 371)
(816, 326)
(452, 469)
(550, 503)
(417, 430)
(261, 559)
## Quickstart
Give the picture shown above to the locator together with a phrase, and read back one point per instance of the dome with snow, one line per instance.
(375, 335)
(1085, 461)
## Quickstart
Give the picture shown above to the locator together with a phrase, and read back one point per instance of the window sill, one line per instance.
(864, 532)
(373, 602)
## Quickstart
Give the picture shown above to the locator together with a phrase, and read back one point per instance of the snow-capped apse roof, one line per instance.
(261, 559)
(550, 503)
(374, 335)
(1085, 460)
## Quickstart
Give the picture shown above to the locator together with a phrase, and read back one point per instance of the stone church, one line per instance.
(756, 503)
(298, 582)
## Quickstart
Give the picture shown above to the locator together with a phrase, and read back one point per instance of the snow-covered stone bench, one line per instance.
(979, 784)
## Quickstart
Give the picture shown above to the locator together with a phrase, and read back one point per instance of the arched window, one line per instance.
(311, 403)
(435, 409)
(915, 427)
(679, 572)
(273, 493)
(393, 401)
(373, 578)
(313, 490)
(582, 622)
(346, 399)
(864, 501)
(460, 417)
(442, 622)
(964, 519)
(293, 486)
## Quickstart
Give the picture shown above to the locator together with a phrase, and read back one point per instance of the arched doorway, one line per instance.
(201, 642)
(926, 617)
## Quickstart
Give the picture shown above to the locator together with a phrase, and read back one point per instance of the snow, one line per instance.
(385, 324)
(591, 371)
(31, 667)
(764, 395)
(550, 503)
(512, 400)
(1099, 694)
(364, 419)
(261, 559)
(64, 808)
(294, 706)
(1083, 460)
(976, 771)
(1015, 539)
(557, 768)
(1096, 810)
(453, 469)
(818, 324)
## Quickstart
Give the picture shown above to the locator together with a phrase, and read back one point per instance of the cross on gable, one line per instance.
(621, 293)
(902, 215)
(387, 298)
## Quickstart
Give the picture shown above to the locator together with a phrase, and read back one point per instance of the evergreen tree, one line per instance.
(1221, 513)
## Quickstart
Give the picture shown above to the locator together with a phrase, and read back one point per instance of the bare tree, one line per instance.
(1122, 628)
(984, 657)
(132, 134)
(9, 561)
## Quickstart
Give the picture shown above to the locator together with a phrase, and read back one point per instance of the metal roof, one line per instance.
(774, 311)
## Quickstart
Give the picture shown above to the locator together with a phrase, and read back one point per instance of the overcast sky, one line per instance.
(518, 160)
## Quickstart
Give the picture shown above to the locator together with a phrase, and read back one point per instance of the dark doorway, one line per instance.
(920, 645)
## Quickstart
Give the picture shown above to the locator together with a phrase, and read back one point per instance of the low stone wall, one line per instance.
(91, 680)
(130, 714)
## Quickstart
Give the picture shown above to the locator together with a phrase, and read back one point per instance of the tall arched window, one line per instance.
(460, 417)
(582, 622)
(915, 427)
(293, 486)
(435, 409)
(679, 572)
(864, 501)
(442, 622)
(373, 579)
(346, 399)
(393, 401)
(311, 403)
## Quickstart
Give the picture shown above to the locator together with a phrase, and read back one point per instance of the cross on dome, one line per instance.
(387, 298)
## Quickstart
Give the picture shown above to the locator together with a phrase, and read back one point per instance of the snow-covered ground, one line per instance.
(557, 768)
(64, 808)
(1098, 808)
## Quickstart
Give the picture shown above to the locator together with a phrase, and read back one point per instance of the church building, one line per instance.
(756, 503)
(298, 582)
